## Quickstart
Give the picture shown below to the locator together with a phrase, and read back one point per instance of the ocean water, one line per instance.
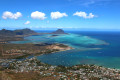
(90, 47)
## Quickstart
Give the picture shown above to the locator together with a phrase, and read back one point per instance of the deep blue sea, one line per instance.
(91, 47)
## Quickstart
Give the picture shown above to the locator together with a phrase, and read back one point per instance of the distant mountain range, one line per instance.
(17, 35)
(25, 31)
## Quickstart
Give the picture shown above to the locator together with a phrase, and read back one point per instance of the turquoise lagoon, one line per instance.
(89, 48)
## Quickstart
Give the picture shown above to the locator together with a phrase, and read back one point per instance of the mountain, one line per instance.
(24, 32)
(5, 32)
(59, 31)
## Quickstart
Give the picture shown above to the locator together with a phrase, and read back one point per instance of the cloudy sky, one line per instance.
(66, 14)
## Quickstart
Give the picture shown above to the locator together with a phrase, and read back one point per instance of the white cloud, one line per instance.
(27, 22)
(38, 15)
(57, 15)
(11, 15)
(84, 14)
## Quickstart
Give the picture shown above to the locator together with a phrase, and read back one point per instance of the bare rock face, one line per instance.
(59, 31)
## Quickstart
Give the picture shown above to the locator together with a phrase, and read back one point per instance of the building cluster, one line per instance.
(3, 42)
(21, 51)
(16, 51)
(85, 72)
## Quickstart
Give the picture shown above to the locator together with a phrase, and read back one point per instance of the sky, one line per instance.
(64, 14)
